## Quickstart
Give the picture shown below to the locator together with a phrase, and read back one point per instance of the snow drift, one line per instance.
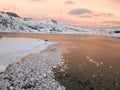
(13, 49)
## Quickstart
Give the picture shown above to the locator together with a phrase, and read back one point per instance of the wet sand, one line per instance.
(93, 61)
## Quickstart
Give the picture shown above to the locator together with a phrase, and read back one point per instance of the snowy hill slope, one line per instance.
(11, 22)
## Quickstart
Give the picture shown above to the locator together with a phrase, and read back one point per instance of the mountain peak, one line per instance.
(11, 14)
(54, 21)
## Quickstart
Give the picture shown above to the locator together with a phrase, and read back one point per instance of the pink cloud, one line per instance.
(69, 2)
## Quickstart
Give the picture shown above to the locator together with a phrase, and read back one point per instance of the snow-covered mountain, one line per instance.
(11, 22)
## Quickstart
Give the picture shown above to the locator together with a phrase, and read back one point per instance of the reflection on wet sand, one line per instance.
(92, 61)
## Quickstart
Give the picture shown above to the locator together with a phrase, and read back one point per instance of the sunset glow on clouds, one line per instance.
(78, 12)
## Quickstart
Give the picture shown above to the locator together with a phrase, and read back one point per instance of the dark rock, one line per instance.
(54, 21)
(55, 29)
(28, 86)
(4, 22)
(91, 88)
(33, 27)
(27, 19)
(8, 78)
(46, 40)
(116, 31)
(12, 14)
(0, 36)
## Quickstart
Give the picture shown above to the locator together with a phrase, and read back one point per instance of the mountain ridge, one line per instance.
(11, 22)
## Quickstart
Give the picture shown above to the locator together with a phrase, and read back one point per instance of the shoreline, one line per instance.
(81, 34)
(14, 49)
(50, 47)
(38, 68)
(15, 34)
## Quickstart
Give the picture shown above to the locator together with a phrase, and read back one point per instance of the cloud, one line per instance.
(69, 2)
(79, 11)
(111, 22)
(37, 0)
(86, 16)
(86, 13)
(95, 15)
(103, 14)
(116, 0)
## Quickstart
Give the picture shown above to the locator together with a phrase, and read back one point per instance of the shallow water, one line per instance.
(93, 61)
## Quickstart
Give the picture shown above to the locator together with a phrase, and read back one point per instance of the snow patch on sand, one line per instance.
(13, 49)
(33, 74)
(36, 72)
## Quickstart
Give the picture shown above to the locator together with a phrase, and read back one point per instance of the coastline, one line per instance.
(37, 69)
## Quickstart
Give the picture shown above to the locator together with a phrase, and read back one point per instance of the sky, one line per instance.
(86, 13)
